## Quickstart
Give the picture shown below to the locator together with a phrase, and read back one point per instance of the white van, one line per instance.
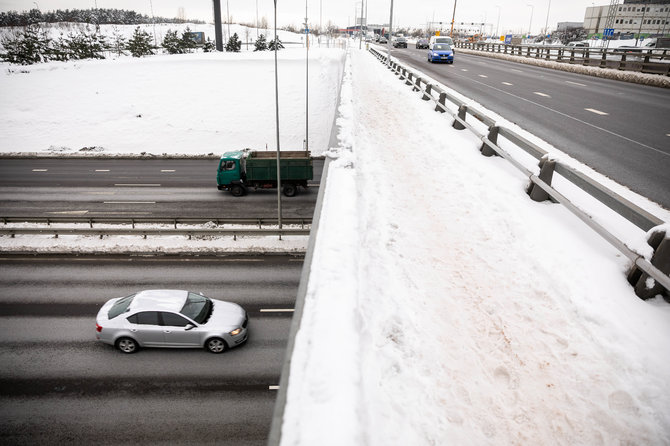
(441, 39)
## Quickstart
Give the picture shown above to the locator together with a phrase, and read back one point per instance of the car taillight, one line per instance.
(98, 328)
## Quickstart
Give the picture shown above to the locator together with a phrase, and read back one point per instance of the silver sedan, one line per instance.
(171, 318)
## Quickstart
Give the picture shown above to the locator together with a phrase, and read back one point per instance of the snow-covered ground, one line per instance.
(444, 306)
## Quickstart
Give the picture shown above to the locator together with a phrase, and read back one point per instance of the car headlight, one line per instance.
(236, 331)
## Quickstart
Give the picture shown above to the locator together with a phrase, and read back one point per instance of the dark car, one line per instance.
(382, 39)
(422, 43)
(441, 52)
(400, 42)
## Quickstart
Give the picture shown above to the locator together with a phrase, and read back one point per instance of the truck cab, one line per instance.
(231, 172)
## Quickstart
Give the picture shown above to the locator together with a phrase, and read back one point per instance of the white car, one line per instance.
(171, 318)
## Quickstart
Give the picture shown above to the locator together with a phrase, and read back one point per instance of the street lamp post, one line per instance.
(306, 82)
(546, 24)
(277, 125)
(532, 8)
(453, 16)
(388, 43)
(639, 31)
(498, 24)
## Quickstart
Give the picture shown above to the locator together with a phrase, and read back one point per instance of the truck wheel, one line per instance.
(290, 190)
(236, 190)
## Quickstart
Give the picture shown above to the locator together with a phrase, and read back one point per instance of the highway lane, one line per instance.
(58, 384)
(620, 129)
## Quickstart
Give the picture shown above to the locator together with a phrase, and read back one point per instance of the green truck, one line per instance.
(241, 170)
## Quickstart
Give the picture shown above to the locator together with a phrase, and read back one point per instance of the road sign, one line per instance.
(608, 32)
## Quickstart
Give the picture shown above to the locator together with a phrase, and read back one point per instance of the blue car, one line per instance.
(441, 52)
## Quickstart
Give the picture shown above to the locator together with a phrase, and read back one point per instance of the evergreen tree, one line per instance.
(209, 46)
(261, 43)
(85, 46)
(172, 43)
(271, 45)
(187, 41)
(140, 44)
(234, 44)
(118, 42)
(27, 47)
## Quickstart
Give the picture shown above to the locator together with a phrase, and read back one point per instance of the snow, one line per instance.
(464, 313)
(443, 305)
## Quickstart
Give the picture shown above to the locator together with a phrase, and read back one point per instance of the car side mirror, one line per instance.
(189, 327)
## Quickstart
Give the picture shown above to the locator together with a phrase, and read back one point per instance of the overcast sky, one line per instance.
(515, 15)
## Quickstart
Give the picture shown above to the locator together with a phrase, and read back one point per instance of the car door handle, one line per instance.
(134, 330)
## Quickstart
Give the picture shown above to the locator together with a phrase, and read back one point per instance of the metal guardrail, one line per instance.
(262, 228)
(653, 61)
(260, 222)
(540, 188)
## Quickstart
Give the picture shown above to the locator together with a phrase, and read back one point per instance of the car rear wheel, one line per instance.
(127, 345)
(216, 345)
(236, 190)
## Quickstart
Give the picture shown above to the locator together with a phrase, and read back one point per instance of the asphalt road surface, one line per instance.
(140, 188)
(619, 129)
(59, 385)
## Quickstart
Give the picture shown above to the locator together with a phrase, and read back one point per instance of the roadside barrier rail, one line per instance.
(540, 187)
(260, 222)
(144, 232)
(653, 61)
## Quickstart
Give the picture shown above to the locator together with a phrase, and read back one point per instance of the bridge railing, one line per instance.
(540, 188)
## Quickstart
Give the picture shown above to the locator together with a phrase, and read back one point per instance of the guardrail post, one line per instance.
(546, 173)
(442, 100)
(493, 137)
(417, 84)
(462, 110)
(427, 95)
(603, 60)
(409, 79)
(645, 286)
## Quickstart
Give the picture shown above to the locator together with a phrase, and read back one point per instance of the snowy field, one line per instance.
(458, 313)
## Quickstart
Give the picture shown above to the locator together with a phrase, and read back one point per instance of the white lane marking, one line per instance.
(597, 112)
(137, 185)
(483, 75)
(273, 387)
(464, 69)
(572, 117)
(40, 170)
(68, 212)
(667, 134)
(277, 310)
(129, 202)
(168, 170)
(518, 71)
(99, 193)
(507, 83)
(242, 260)
(102, 170)
(575, 83)
(544, 95)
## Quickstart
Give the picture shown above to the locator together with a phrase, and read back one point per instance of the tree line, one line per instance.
(33, 45)
(93, 16)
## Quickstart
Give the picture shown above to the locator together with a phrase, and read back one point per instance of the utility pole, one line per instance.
(388, 44)
(546, 24)
(306, 82)
(218, 34)
(277, 124)
(498, 24)
(532, 8)
(228, 20)
(256, 20)
(453, 16)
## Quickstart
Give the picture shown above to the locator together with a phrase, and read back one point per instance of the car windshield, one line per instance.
(197, 307)
(120, 306)
(442, 47)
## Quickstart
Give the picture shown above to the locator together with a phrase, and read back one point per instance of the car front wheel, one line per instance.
(127, 345)
(216, 345)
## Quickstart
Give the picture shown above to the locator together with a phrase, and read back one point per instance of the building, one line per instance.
(645, 17)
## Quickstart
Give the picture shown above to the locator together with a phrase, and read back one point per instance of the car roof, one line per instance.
(159, 300)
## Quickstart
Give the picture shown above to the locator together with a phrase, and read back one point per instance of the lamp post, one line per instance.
(388, 43)
(228, 20)
(532, 8)
(277, 125)
(453, 16)
(546, 24)
(639, 31)
(498, 24)
(306, 82)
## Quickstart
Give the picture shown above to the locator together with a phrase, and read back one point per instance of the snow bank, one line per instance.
(655, 80)
(464, 313)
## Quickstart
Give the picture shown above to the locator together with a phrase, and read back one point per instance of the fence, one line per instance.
(540, 186)
(654, 61)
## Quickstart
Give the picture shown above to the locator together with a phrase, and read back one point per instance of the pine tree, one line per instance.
(187, 41)
(27, 47)
(172, 43)
(208, 46)
(261, 43)
(234, 44)
(118, 42)
(140, 44)
(271, 45)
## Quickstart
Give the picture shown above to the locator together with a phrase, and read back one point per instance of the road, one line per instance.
(619, 129)
(59, 385)
(140, 188)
